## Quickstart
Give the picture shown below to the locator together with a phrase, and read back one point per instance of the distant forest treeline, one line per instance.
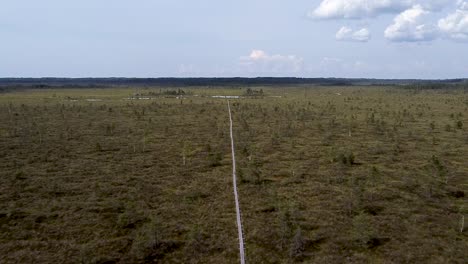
(11, 83)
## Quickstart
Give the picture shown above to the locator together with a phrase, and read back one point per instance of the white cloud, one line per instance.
(356, 8)
(455, 25)
(334, 9)
(348, 34)
(258, 55)
(410, 26)
(261, 62)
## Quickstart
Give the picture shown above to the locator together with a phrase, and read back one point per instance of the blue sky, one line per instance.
(175, 38)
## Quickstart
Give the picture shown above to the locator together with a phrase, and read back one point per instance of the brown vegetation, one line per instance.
(326, 175)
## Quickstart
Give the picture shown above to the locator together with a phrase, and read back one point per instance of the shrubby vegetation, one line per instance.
(326, 175)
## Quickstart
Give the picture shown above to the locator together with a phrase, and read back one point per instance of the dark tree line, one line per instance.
(43, 83)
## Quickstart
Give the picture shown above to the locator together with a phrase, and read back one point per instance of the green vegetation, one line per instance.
(252, 92)
(326, 175)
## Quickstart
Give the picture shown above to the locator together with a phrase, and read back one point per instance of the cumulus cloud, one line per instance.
(348, 34)
(356, 8)
(410, 26)
(414, 22)
(335, 9)
(261, 62)
(455, 25)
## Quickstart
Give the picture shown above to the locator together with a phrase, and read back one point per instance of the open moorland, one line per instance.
(325, 175)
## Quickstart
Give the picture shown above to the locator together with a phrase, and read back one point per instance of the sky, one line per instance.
(425, 39)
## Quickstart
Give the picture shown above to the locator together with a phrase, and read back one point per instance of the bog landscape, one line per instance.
(326, 173)
(213, 132)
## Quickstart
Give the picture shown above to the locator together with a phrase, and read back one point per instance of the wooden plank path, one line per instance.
(236, 196)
